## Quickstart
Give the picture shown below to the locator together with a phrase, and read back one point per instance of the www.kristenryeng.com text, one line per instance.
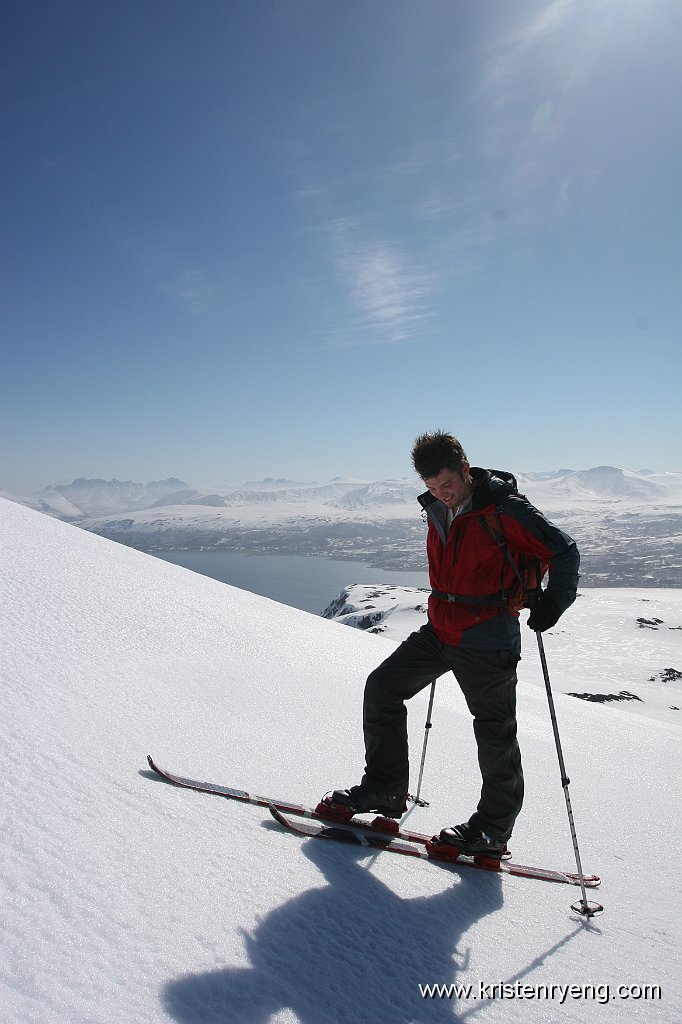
(598, 993)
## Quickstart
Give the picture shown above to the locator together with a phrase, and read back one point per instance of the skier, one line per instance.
(472, 632)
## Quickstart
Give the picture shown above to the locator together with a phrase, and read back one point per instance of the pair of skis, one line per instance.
(382, 834)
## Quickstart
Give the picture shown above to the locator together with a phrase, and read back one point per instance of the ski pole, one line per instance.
(584, 907)
(416, 799)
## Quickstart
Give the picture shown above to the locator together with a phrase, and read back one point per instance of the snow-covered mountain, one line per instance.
(103, 497)
(605, 482)
(127, 900)
(337, 494)
(49, 501)
(391, 610)
(380, 494)
(557, 487)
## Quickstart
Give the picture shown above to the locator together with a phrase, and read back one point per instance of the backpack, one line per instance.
(529, 571)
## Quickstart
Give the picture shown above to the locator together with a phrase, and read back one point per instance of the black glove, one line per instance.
(544, 615)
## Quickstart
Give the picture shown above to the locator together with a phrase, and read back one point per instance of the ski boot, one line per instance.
(343, 804)
(470, 841)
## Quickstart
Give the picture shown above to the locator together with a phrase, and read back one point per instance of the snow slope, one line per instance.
(126, 900)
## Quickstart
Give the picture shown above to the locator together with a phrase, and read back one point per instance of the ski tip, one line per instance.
(277, 814)
(154, 766)
(591, 881)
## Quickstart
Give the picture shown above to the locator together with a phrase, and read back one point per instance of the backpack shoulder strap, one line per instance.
(529, 571)
(490, 521)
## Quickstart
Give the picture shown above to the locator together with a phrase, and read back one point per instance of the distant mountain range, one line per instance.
(84, 498)
(608, 482)
(628, 524)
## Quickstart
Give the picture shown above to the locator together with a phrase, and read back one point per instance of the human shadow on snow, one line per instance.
(352, 951)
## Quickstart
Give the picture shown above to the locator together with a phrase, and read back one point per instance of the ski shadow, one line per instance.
(352, 950)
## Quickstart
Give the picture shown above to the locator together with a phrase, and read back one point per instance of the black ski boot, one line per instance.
(470, 841)
(344, 803)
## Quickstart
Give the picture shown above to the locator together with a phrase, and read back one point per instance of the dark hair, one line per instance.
(434, 452)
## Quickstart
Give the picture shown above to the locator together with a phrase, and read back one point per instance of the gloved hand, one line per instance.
(544, 615)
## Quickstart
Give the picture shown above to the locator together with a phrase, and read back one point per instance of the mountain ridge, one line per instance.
(97, 497)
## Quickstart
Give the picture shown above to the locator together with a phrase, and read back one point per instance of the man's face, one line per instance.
(450, 486)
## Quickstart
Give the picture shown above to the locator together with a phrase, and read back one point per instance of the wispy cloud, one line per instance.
(389, 297)
(384, 288)
(497, 158)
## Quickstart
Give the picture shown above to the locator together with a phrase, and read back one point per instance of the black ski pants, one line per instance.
(488, 681)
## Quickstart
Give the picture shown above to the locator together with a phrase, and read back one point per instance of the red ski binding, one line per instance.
(339, 812)
(439, 850)
(335, 812)
(382, 824)
(448, 852)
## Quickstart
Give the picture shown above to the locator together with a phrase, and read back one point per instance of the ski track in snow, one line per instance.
(125, 899)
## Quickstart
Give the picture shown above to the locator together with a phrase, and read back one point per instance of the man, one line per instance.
(478, 527)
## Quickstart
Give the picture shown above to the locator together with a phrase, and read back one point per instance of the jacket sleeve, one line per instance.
(527, 530)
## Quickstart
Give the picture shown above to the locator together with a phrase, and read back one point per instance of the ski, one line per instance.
(349, 833)
(380, 825)
(383, 833)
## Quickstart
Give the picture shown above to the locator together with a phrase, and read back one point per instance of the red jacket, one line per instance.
(469, 562)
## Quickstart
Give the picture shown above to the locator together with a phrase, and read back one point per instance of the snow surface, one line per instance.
(127, 900)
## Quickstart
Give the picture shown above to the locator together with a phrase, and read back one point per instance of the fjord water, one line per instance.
(306, 582)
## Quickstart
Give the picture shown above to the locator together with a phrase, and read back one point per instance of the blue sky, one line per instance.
(284, 237)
